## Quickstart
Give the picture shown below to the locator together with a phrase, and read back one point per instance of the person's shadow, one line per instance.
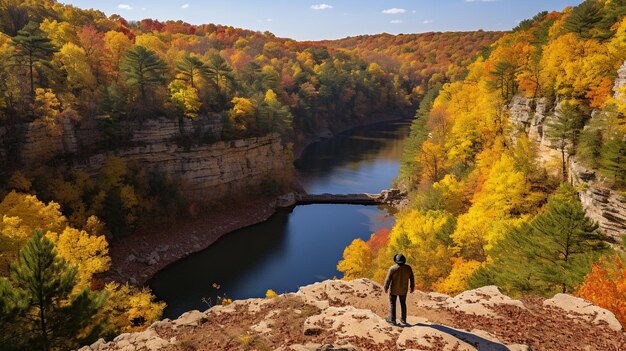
(479, 343)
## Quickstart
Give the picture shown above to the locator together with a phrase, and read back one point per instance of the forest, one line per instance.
(488, 204)
(60, 64)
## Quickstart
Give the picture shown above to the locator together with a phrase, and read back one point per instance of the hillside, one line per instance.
(125, 146)
(516, 172)
(340, 315)
(428, 59)
(85, 95)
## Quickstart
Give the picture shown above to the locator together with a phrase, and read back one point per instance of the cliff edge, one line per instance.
(350, 315)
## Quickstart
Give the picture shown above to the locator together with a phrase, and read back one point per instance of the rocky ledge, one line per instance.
(340, 315)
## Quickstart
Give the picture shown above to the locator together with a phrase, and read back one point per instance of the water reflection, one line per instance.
(299, 247)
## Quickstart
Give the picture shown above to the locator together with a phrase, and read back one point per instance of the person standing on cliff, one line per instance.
(399, 279)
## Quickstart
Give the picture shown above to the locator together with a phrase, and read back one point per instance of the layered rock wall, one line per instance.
(208, 171)
(604, 205)
(84, 136)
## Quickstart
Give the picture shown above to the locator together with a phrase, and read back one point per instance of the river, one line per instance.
(298, 247)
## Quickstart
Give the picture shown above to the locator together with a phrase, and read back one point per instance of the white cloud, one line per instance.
(185, 6)
(124, 7)
(481, 0)
(428, 21)
(395, 21)
(394, 11)
(413, 11)
(321, 7)
(269, 19)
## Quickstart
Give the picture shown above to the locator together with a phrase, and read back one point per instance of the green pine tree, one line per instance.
(274, 116)
(42, 311)
(553, 253)
(143, 69)
(504, 79)
(190, 69)
(563, 131)
(613, 160)
(32, 50)
(590, 148)
(11, 306)
(221, 76)
(585, 19)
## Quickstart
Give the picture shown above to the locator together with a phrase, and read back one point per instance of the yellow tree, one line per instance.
(60, 33)
(426, 248)
(494, 210)
(89, 253)
(21, 215)
(457, 281)
(242, 114)
(357, 260)
(116, 44)
(48, 110)
(185, 98)
(130, 309)
(73, 60)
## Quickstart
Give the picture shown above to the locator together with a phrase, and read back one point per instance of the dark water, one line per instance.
(300, 247)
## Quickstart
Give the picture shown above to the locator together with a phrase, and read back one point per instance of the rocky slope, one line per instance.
(340, 315)
(604, 205)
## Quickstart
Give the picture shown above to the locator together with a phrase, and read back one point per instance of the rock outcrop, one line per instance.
(340, 315)
(602, 204)
(207, 171)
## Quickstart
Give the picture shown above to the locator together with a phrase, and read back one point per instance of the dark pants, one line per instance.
(392, 301)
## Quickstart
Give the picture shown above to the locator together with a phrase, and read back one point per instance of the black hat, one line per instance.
(399, 259)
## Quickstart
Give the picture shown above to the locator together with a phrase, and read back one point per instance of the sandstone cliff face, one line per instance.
(207, 172)
(602, 204)
(605, 206)
(39, 145)
(340, 315)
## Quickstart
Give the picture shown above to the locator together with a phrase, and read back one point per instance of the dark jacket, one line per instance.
(398, 278)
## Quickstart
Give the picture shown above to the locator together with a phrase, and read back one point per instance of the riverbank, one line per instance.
(137, 258)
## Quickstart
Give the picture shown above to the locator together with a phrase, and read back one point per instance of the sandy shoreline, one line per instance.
(138, 257)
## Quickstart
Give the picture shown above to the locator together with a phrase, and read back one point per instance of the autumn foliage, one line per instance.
(486, 205)
(605, 286)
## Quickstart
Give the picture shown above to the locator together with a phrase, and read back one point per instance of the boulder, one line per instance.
(191, 318)
(482, 301)
(578, 308)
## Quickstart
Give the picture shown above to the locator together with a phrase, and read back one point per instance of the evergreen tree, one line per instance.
(552, 253)
(143, 68)
(11, 305)
(274, 116)
(505, 79)
(409, 165)
(221, 76)
(612, 13)
(590, 148)
(563, 131)
(33, 49)
(613, 160)
(45, 313)
(585, 19)
(190, 69)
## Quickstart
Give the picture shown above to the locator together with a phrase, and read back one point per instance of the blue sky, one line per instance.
(331, 19)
